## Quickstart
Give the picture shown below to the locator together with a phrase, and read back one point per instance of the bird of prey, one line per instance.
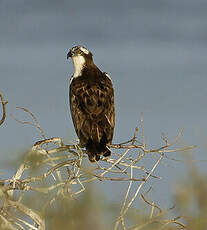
(91, 104)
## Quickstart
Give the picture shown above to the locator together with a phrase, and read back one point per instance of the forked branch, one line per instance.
(58, 159)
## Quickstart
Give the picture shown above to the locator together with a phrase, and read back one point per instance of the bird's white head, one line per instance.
(80, 56)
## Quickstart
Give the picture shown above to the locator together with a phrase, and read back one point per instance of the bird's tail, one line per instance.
(95, 150)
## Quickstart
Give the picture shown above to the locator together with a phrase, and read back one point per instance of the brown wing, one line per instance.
(92, 108)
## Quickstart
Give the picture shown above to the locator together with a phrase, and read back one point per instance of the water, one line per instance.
(155, 52)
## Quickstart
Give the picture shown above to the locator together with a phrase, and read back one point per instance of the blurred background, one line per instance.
(154, 51)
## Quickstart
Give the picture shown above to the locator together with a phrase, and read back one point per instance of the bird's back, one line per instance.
(92, 109)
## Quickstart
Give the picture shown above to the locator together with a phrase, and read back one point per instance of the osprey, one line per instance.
(91, 104)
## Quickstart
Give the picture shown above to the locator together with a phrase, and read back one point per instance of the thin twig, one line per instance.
(136, 193)
(3, 103)
(151, 204)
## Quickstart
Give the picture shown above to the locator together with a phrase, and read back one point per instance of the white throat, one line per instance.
(78, 62)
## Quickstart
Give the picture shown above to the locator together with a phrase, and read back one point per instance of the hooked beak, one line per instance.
(69, 54)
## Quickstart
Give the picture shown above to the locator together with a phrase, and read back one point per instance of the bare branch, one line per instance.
(58, 159)
(151, 204)
(3, 103)
(35, 122)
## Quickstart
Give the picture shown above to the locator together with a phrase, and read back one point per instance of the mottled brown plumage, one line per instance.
(92, 106)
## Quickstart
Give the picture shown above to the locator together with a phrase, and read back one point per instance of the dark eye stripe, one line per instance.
(75, 48)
